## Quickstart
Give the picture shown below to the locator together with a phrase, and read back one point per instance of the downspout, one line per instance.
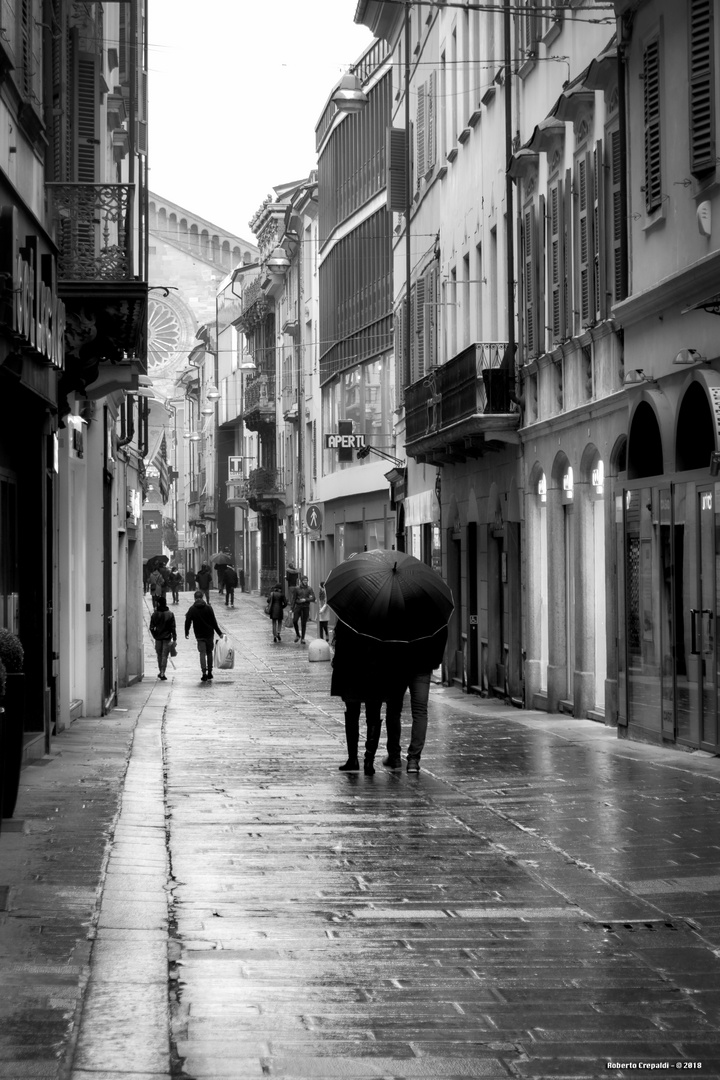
(622, 286)
(509, 231)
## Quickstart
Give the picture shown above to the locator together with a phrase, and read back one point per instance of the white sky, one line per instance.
(235, 90)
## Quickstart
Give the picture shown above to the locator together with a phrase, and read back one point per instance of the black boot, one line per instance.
(351, 765)
(369, 768)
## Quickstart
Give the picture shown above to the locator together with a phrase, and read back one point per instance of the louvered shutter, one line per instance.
(60, 124)
(618, 289)
(702, 87)
(529, 282)
(653, 172)
(567, 259)
(431, 122)
(531, 27)
(586, 245)
(540, 240)
(431, 300)
(396, 171)
(599, 233)
(556, 288)
(419, 327)
(413, 335)
(399, 354)
(420, 135)
(85, 112)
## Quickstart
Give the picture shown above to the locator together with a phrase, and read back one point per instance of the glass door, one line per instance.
(705, 617)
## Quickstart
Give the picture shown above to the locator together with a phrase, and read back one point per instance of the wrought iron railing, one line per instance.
(264, 481)
(260, 392)
(471, 383)
(94, 231)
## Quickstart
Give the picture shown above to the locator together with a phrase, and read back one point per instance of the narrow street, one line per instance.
(541, 900)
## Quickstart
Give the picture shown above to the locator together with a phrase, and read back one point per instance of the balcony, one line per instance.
(266, 490)
(259, 401)
(99, 278)
(462, 409)
(208, 508)
(290, 402)
(237, 494)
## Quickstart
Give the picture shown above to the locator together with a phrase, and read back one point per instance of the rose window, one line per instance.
(164, 334)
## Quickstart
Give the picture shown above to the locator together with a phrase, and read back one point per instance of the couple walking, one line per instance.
(301, 598)
(373, 672)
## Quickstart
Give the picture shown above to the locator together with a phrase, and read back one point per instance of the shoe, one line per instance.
(296, 640)
(203, 677)
(368, 767)
(164, 678)
(279, 638)
(351, 765)
(413, 764)
(302, 640)
(209, 675)
(274, 637)
(159, 674)
(393, 763)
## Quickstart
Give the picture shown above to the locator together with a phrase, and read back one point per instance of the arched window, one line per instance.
(645, 456)
(695, 439)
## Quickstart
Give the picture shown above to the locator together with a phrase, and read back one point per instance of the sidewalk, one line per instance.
(541, 900)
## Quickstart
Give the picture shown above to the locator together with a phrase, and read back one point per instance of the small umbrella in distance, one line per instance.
(389, 595)
(221, 558)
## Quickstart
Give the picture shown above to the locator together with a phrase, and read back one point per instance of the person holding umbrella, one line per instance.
(220, 560)
(363, 672)
(393, 598)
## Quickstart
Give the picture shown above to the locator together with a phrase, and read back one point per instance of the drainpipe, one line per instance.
(623, 40)
(509, 232)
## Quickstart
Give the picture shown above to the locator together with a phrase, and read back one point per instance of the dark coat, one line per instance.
(204, 578)
(230, 578)
(162, 626)
(276, 602)
(202, 619)
(364, 669)
(303, 597)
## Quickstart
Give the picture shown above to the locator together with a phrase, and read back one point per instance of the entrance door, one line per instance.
(696, 614)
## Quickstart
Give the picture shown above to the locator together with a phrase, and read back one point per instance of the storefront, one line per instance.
(668, 521)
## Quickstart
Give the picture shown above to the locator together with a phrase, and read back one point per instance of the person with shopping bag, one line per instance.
(202, 619)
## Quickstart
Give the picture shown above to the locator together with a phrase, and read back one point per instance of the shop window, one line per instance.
(695, 431)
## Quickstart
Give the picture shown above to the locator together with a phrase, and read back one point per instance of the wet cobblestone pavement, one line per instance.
(541, 900)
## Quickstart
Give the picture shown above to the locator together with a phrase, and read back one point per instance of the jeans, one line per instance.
(205, 648)
(301, 616)
(229, 595)
(419, 687)
(277, 627)
(175, 595)
(162, 648)
(323, 624)
(352, 727)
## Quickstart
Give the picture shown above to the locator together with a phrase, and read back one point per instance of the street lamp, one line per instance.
(349, 95)
(212, 393)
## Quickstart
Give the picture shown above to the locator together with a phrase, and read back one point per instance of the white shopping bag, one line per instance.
(224, 654)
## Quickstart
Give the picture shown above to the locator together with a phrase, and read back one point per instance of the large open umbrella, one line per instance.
(389, 595)
(156, 561)
(221, 558)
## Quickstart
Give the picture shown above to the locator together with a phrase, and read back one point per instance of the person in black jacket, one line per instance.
(230, 580)
(414, 662)
(204, 580)
(202, 619)
(164, 631)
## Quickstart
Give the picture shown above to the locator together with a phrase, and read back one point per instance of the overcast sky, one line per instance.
(235, 90)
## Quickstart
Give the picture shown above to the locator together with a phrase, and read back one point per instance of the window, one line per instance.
(702, 87)
(653, 163)
(530, 29)
(586, 238)
(556, 262)
(530, 281)
(615, 216)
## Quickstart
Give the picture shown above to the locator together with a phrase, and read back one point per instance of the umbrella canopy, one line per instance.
(221, 558)
(156, 561)
(389, 595)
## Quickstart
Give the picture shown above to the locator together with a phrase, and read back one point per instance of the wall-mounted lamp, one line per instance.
(278, 262)
(686, 357)
(207, 410)
(636, 377)
(349, 96)
(714, 462)
(212, 393)
(193, 436)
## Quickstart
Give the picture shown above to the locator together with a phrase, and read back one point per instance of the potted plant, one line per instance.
(13, 725)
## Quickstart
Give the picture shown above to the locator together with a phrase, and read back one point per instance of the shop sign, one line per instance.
(235, 467)
(343, 442)
(37, 313)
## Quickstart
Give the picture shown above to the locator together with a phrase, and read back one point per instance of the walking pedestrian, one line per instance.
(158, 587)
(175, 583)
(202, 619)
(292, 576)
(363, 672)
(164, 632)
(230, 580)
(415, 662)
(221, 569)
(204, 580)
(323, 613)
(275, 606)
(304, 596)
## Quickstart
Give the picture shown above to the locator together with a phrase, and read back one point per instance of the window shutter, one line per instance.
(618, 289)
(399, 353)
(85, 111)
(431, 121)
(413, 336)
(556, 262)
(396, 172)
(702, 87)
(599, 233)
(567, 259)
(531, 27)
(586, 244)
(651, 77)
(530, 282)
(419, 327)
(420, 135)
(540, 240)
(431, 299)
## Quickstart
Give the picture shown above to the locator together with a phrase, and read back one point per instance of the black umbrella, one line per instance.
(389, 595)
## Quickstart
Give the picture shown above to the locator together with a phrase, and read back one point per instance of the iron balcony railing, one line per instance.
(264, 481)
(94, 231)
(471, 383)
(260, 392)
